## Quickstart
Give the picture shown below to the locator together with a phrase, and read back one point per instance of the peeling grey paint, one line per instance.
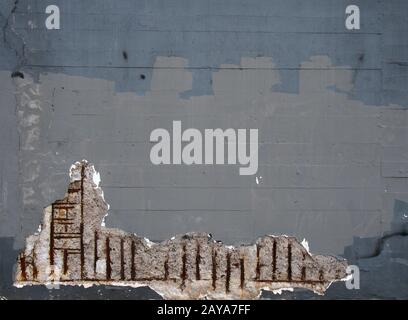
(209, 34)
(333, 162)
(330, 105)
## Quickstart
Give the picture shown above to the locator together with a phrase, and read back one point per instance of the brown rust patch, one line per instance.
(122, 259)
(198, 261)
(228, 273)
(214, 268)
(242, 274)
(108, 259)
(274, 260)
(183, 274)
(23, 267)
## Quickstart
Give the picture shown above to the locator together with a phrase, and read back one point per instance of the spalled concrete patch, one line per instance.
(74, 248)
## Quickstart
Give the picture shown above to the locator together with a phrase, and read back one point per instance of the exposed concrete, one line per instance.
(7, 268)
(73, 248)
(329, 103)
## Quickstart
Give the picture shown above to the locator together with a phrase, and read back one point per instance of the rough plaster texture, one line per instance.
(74, 248)
(325, 174)
(330, 106)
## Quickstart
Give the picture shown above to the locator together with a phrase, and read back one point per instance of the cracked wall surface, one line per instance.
(72, 248)
(330, 106)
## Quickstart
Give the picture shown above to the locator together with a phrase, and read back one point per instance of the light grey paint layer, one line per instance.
(330, 106)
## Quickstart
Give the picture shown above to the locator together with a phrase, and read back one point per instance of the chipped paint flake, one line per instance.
(305, 245)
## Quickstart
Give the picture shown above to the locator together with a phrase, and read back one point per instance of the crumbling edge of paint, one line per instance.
(96, 180)
(55, 284)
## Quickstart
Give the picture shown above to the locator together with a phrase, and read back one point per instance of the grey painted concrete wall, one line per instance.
(330, 106)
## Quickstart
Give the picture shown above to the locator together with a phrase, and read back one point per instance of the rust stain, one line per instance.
(82, 222)
(228, 273)
(65, 261)
(108, 259)
(166, 269)
(303, 273)
(258, 264)
(274, 260)
(321, 275)
(198, 261)
(214, 268)
(23, 267)
(133, 269)
(95, 249)
(122, 260)
(183, 274)
(289, 262)
(242, 275)
(51, 250)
